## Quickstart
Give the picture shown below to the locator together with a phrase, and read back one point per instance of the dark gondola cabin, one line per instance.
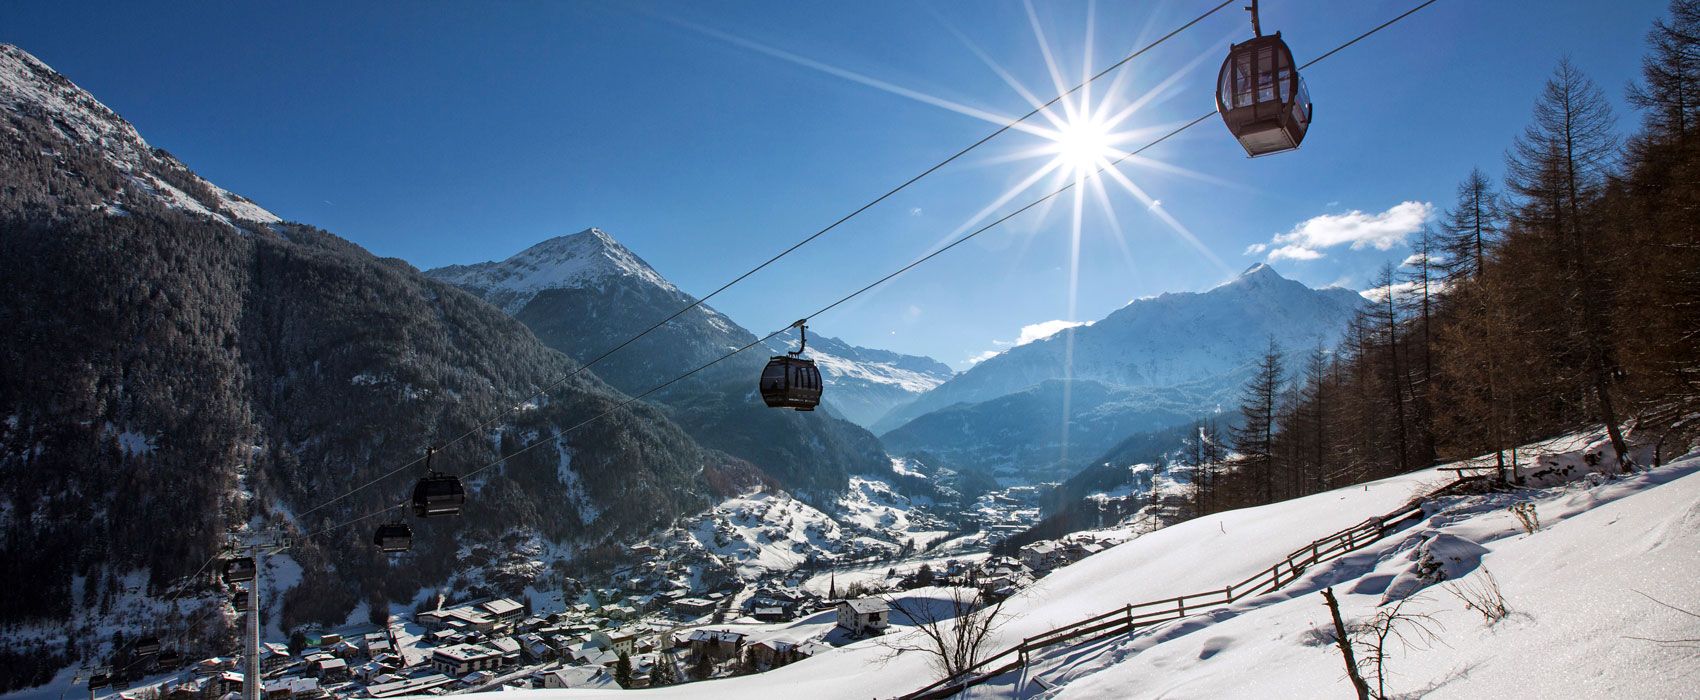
(791, 382)
(393, 537)
(169, 660)
(1261, 97)
(438, 495)
(239, 601)
(239, 569)
(100, 679)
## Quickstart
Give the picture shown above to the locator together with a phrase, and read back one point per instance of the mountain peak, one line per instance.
(1259, 269)
(588, 258)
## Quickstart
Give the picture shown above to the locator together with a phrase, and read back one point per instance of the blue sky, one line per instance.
(459, 132)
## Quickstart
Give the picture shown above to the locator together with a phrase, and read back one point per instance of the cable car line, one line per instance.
(805, 241)
(959, 241)
(963, 239)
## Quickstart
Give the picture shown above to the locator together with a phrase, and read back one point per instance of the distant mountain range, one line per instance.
(1152, 363)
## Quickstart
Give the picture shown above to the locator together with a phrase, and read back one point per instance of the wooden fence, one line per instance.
(1134, 616)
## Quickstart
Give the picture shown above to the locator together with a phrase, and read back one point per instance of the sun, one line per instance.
(1082, 145)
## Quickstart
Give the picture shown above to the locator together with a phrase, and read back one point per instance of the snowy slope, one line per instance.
(28, 86)
(1603, 537)
(589, 258)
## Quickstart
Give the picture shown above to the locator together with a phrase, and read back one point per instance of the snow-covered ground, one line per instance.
(1575, 587)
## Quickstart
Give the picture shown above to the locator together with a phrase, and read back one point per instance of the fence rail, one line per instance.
(1133, 616)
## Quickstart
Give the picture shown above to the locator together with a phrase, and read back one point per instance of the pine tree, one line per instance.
(1559, 166)
(1471, 226)
(1255, 439)
(623, 670)
(1669, 89)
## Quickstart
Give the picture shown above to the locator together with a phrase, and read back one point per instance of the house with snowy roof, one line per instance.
(864, 616)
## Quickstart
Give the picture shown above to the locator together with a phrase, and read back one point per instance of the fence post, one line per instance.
(1127, 610)
(1230, 592)
(1315, 557)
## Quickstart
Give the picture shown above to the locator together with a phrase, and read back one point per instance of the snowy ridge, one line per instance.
(1164, 341)
(29, 87)
(581, 260)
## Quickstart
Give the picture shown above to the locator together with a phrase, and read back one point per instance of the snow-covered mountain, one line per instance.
(865, 384)
(36, 97)
(585, 293)
(566, 289)
(1163, 341)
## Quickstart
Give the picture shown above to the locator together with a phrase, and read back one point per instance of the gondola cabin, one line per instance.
(169, 660)
(1262, 98)
(393, 537)
(239, 569)
(791, 382)
(438, 495)
(239, 601)
(101, 678)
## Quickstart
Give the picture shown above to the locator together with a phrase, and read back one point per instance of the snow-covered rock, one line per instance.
(28, 86)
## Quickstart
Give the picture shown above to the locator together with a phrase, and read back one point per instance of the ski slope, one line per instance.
(1570, 585)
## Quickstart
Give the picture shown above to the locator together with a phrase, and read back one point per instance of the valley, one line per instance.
(520, 423)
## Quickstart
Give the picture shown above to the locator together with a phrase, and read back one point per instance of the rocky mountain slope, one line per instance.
(585, 293)
(179, 364)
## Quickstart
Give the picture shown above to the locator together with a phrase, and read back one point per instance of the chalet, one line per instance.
(291, 687)
(694, 606)
(716, 644)
(461, 659)
(273, 656)
(580, 677)
(508, 646)
(864, 616)
(1043, 555)
(536, 649)
(773, 653)
(773, 614)
(616, 640)
(410, 686)
(331, 669)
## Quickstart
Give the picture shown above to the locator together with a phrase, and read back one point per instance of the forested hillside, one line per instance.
(178, 366)
(1564, 295)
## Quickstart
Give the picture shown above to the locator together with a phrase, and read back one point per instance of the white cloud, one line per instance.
(915, 211)
(1403, 290)
(1155, 203)
(1294, 252)
(1415, 258)
(1046, 329)
(1354, 228)
(1029, 333)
